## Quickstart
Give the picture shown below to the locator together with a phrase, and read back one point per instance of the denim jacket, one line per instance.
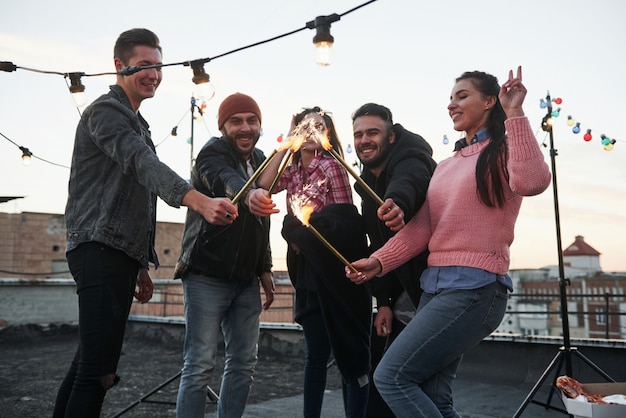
(115, 179)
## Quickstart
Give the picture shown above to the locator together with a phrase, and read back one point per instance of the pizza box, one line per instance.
(581, 408)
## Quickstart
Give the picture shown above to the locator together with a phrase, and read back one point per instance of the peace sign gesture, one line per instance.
(512, 94)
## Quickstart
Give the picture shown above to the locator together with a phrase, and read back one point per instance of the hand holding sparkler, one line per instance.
(253, 178)
(363, 270)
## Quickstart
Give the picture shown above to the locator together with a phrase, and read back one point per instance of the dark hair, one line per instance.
(374, 109)
(492, 160)
(128, 40)
(333, 138)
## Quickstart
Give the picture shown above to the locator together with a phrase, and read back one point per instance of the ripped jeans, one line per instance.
(105, 283)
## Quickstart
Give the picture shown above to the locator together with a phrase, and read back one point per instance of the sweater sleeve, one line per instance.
(528, 172)
(407, 243)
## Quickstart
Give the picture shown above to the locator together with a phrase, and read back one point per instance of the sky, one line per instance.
(400, 53)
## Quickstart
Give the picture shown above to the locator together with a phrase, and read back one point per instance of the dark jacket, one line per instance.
(404, 178)
(115, 179)
(346, 307)
(239, 251)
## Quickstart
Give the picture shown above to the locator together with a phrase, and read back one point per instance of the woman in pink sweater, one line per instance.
(467, 223)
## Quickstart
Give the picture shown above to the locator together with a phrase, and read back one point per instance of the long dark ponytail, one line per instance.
(492, 160)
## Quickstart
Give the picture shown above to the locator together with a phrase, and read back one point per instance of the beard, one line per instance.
(379, 159)
(249, 140)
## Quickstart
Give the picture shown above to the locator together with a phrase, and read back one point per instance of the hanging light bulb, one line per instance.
(546, 123)
(558, 100)
(605, 140)
(556, 112)
(26, 155)
(576, 128)
(445, 140)
(570, 120)
(323, 40)
(77, 89)
(588, 136)
(349, 149)
(543, 104)
(204, 88)
(608, 147)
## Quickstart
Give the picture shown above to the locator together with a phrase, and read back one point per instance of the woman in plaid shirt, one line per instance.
(334, 313)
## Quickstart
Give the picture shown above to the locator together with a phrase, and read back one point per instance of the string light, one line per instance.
(77, 89)
(547, 122)
(200, 78)
(26, 155)
(323, 40)
(606, 142)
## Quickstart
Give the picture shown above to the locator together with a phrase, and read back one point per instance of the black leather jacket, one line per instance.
(239, 251)
(115, 179)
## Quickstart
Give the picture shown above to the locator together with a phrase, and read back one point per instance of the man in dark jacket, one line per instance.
(397, 165)
(221, 266)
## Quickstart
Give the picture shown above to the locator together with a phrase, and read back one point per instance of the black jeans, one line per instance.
(105, 282)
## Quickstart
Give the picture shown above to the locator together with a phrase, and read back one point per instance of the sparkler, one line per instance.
(304, 214)
(328, 147)
(253, 178)
(293, 142)
(280, 172)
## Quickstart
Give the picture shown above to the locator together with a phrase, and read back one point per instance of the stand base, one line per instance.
(557, 362)
(213, 397)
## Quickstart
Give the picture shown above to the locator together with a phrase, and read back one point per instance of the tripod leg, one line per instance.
(593, 366)
(147, 395)
(535, 388)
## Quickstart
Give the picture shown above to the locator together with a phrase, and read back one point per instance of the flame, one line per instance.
(301, 206)
(325, 141)
(305, 214)
(305, 130)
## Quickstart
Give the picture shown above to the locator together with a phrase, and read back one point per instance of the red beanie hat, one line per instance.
(236, 103)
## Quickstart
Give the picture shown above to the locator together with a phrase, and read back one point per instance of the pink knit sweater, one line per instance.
(457, 227)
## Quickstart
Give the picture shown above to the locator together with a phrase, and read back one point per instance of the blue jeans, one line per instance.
(416, 373)
(214, 306)
(105, 283)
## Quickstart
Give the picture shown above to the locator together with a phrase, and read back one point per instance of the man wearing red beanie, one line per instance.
(237, 103)
(221, 266)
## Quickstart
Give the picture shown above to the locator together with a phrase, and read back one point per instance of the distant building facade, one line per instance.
(32, 245)
(596, 301)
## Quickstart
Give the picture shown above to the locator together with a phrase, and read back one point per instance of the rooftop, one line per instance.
(494, 380)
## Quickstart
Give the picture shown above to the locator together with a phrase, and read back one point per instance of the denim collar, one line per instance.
(479, 137)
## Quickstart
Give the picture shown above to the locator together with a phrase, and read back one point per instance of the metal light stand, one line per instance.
(564, 355)
(213, 397)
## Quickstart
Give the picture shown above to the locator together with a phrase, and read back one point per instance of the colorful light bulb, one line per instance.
(445, 140)
(605, 140)
(556, 112)
(588, 136)
(558, 100)
(576, 128)
(543, 104)
(570, 120)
